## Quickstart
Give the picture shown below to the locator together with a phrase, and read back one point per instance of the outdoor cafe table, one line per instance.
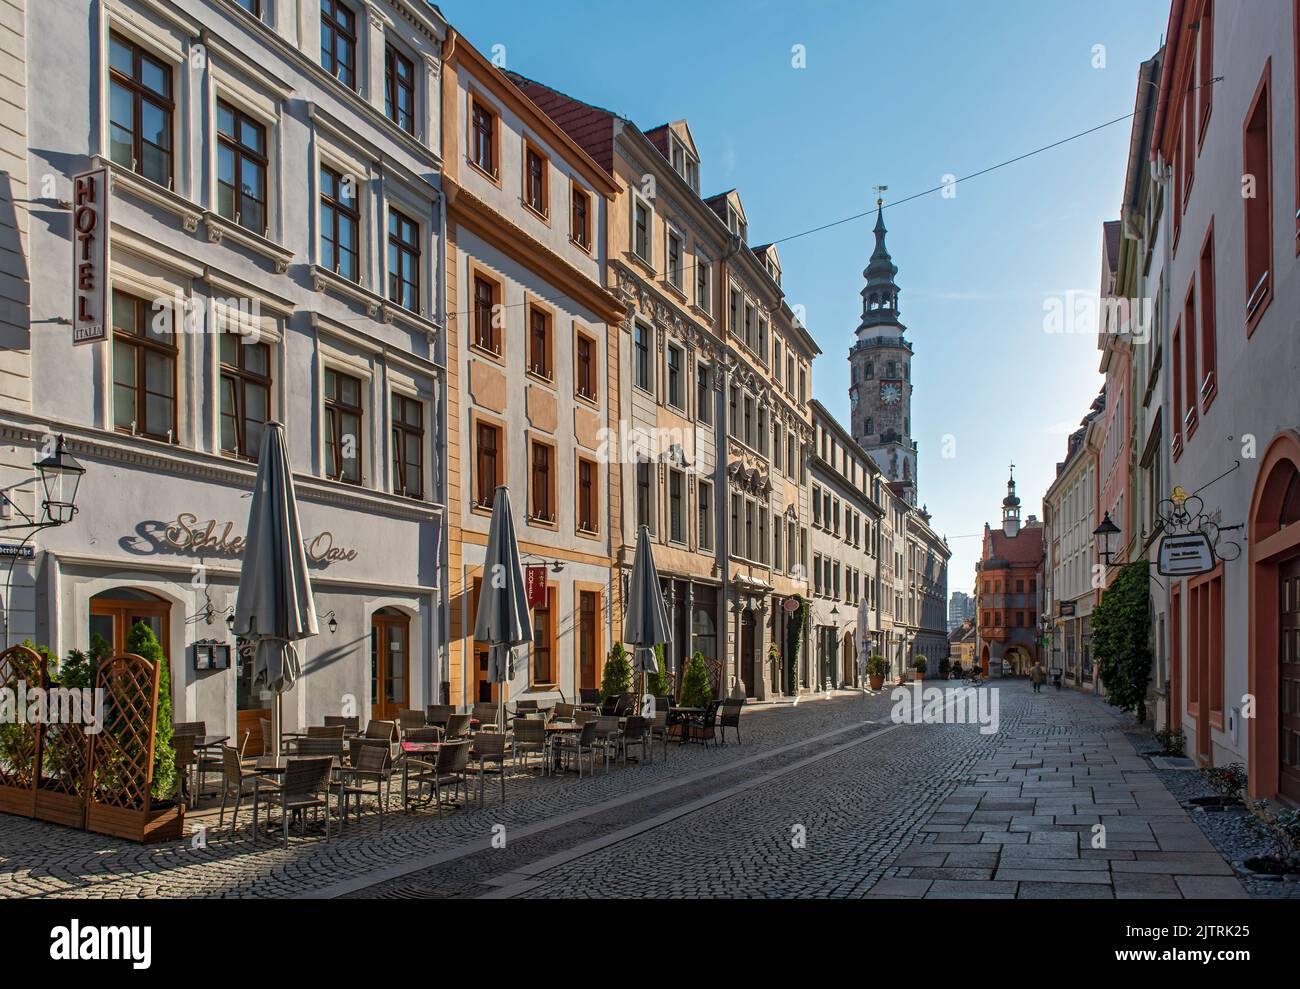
(276, 765)
(416, 750)
(553, 731)
(688, 713)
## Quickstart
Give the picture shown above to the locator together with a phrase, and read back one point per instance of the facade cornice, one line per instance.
(499, 231)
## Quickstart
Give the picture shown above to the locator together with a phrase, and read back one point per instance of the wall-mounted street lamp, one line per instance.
(60, 477)
(333, 621)
(1102, 534)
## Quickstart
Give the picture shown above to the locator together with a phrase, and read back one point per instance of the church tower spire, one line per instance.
(880, 370)
(880, 295)
(1011, 507)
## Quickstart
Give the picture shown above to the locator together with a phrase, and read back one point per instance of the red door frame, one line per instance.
(1270, 545)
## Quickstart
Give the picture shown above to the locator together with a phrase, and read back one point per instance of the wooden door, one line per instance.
(112, 619)
(588, 616)
(390, 639)
(1289, 680)
(747, 651)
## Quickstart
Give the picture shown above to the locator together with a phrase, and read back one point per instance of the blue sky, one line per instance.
(898, 93)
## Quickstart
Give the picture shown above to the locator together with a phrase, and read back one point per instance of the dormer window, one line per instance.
(685, 165)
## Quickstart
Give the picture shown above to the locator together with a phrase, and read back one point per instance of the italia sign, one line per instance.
(1186, 555)
(90, 318)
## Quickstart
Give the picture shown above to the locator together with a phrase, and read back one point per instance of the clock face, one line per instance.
(890, 394)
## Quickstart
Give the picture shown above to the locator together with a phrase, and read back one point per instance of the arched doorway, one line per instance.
(114, 612)
(1275, 620)
(390, 650)
(984, 661)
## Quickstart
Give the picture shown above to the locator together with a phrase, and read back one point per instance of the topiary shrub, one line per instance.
(141, 641)
(617, 678)
(697, 691)
(1121, 624)
(877, 665)
(660, 684)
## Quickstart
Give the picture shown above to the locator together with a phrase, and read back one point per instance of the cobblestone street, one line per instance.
(826, 798)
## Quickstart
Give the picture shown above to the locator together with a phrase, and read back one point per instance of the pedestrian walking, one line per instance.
(1037, 675)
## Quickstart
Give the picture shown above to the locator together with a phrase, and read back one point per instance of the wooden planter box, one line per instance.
(68, 809)
(148, 826)
(20, 800)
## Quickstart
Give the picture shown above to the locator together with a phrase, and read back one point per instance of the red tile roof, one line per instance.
(590, 127)
(1026, 549)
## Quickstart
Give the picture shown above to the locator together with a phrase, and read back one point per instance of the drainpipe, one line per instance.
(1164, 175)
(441, 605)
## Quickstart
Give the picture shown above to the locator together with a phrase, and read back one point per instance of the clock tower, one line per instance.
(880, 373)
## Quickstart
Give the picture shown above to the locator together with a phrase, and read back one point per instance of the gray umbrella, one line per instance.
(503, 621)
(645, 624)
(274, 607)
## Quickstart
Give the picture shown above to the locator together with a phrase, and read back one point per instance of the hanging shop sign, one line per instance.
(90, 297)
(535, 586)
(1067, 609)
(188, 534)
(1186, 555)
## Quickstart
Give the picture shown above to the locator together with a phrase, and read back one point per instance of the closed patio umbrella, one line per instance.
(503, 621)
(862, 640)
(274, 607)
(645, 624)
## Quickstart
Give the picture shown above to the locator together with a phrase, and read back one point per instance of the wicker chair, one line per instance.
(458, 726)
(609, 706)
(427, 734)
(583, 741)
(530, 736)
(608, 737)
(582, 717)
(372, 775)
(350, 725)
(563, 712)
(659, 731)
(730, 718)
(447, 769)
(306, 785)
(704, 727)
(437, 714)
(317, 747)
(235, 779)
(588, 695)
(489, 747)
(486, 716)
(636, 731)
(410, 720)
(626, 705)
(525, 709)
(189, 728)
(326, 731)
(183, 746)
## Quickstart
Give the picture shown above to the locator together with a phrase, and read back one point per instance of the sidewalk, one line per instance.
(1064, 808)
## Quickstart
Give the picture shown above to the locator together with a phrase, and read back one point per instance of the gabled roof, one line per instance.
(590, 127)
(1023, 549)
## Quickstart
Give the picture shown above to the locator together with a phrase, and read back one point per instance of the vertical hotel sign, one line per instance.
(90, 256)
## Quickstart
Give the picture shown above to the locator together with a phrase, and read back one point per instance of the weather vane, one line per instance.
(880, 194)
